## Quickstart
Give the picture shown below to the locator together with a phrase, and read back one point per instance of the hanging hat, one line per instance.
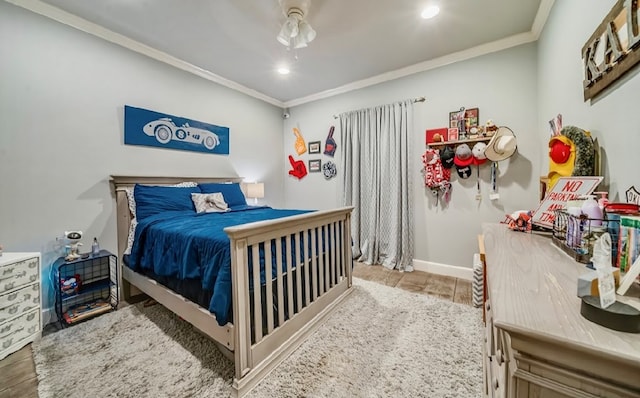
(463, 171)
(463, 156)
(478, 153)
(446, 156)
(502, 146)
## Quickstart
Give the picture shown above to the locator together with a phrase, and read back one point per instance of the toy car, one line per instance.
(165, 130)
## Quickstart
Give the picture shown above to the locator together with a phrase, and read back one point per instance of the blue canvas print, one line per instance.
(149, 128)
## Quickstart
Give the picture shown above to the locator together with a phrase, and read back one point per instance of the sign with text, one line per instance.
(613, 49)
(566, 189)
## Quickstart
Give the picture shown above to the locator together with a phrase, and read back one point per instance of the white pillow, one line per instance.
(209, 202)
(132, 208)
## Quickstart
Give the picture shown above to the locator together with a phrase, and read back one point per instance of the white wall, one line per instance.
(61, 105)
(613, 118)
(502, 85)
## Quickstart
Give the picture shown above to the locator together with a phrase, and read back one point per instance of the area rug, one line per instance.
(380, 342)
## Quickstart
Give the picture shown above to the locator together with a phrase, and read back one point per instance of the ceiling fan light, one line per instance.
(306, 31)
(284, 38)
(298, 42)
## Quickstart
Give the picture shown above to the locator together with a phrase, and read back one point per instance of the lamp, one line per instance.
(295, 31)
(255, 190)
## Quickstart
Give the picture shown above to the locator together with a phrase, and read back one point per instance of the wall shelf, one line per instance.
(458, 142)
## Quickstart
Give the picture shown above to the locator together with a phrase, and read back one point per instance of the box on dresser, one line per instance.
(20, 301)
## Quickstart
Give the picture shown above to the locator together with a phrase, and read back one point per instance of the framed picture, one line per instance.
(453, 119)
(314, 165)
(472, 116)
(314, 147)
(453, 134)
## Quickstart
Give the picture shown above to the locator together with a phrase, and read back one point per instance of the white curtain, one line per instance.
(377, 178)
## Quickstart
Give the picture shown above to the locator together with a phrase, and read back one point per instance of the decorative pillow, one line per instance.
(152, 200)
(132, 208)
(232, 193)
(209, 202)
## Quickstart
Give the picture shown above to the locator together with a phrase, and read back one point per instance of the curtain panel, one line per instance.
(377, 181)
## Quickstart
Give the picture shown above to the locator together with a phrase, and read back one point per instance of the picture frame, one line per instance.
(452, 134)
(453, 119)
(314, 147)
(472, 116)
(315, 165)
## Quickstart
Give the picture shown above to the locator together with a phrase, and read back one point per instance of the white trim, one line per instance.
(483, 49)
(541, 17)
(443, 269)
(76, 22)
(48, 316)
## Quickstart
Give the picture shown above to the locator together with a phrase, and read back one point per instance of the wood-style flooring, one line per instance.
(17, 371)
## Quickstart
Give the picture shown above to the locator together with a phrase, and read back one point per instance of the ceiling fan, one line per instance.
(295, 31)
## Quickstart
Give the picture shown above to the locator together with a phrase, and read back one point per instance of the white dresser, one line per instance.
(20, 301)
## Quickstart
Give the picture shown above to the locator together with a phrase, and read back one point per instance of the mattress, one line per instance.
(190, 253)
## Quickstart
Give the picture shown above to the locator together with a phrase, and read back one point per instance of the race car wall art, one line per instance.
(150, 128)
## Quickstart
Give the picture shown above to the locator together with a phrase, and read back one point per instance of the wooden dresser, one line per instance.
(20, 301)
(537, 343)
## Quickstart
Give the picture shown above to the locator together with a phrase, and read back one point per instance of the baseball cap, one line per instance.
(478, 153)
(463, 171)
(463, 156)
(446, 157)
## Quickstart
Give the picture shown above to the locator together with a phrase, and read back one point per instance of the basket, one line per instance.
(575, 235)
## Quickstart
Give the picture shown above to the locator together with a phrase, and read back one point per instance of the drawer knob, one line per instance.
(495, 383)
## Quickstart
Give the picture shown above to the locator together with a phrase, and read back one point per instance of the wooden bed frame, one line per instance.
(256, 351)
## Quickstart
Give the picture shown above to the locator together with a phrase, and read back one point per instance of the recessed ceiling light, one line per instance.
(430, 12)
(283, 70)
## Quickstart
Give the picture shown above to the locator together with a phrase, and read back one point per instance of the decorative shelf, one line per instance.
(458, 142)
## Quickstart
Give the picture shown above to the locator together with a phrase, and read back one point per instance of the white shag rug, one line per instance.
(380, 342)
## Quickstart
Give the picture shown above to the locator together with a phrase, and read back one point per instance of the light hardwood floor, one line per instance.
(17, 371)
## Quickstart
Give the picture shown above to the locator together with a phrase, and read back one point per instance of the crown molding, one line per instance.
(483, 49)
(541, 17)
(544, 9)
(81, 24)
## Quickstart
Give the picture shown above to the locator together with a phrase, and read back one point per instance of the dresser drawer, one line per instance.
(19, 329)
(19, 301)
(19, 273)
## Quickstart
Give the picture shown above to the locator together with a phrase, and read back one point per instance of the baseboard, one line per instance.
(49, 316)
(443, 269)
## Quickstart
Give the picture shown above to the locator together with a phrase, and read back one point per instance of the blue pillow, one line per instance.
(232, 193)
(152, 200)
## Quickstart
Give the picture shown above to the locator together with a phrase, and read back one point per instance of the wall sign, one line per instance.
(149, 128)
(613, 49)
(566, 189)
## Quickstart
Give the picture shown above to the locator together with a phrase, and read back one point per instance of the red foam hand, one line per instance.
(299, 170)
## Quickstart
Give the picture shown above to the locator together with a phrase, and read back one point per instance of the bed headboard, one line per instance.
(120, 183)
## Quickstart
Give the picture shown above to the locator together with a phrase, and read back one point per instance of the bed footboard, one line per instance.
(311, 269)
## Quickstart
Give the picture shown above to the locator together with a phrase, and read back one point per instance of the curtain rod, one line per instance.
(418, 99)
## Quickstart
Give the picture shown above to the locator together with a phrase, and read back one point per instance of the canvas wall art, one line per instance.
(150, 128)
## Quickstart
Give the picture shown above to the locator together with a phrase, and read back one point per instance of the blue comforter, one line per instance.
(188, 245)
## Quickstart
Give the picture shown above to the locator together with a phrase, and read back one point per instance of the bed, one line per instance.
(304, 272)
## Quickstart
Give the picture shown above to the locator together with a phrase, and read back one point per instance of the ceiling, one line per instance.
(358, 43)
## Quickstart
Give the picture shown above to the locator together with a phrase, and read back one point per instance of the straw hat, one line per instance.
(502, 146)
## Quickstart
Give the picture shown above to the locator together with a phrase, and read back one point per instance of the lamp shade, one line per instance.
(255, 190)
